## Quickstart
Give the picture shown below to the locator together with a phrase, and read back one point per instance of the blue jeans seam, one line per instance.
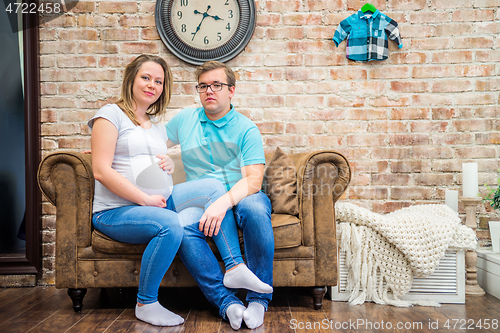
(194, 199)
(229, 250)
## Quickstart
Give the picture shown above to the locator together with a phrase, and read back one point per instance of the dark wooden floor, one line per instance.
(47, 309)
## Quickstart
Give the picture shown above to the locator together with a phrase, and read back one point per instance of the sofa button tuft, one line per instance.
(136, 272)
(295, 272)
(176, 273)
(95, 273)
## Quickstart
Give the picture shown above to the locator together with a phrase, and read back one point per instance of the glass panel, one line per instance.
(12, 136)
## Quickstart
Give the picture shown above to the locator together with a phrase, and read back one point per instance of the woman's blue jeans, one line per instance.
(253, 216)
(162, 230)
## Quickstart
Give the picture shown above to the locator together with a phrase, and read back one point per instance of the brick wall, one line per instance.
(406, 124)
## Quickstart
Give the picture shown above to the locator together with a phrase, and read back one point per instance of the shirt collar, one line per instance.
(362, 15)
(219, 122)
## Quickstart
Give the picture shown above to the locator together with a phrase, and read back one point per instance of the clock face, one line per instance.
(200, 30)
(205, 24)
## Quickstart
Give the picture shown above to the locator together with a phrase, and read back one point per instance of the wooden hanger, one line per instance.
(368, 7)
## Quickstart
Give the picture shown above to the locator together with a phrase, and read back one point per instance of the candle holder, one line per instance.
(471, 286)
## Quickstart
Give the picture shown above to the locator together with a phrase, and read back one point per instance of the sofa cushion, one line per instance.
(287, 233)
(280, 184)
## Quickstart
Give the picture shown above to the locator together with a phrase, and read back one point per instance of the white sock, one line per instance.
(254, 315)
(242, 277)
(234, 314)
(156, 314)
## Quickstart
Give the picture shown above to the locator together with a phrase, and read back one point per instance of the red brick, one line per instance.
(321, 32)
(390, 102)
(443, 113)
(410, 113)
(411, 166)
(411, 193)
(407, 58)
(48, 116)
(264, 74)
(367, 114)
(365, 192)
(346, 127)
(48, 144)
(57, 47)
(474, 125)
(150, 34)
(63, 21)
(391, 179)
(115, 60)
(97, 47)
(48, 89)
(408, 139)
(451, 4)
(487, 27)
(305, 101)
(358, 179)
(488, 84)
(329, 114)
(427, 17)
(283, 6)
(324, 60)
(279, 114)
(137, 21)
(488, 138)
(386, 127)
(316, 5)
(284, 33)
(474, 42)
(76, 61)
(407, 5)
(306, 128)
(476, 152)
(475, 70)
(281, 87)
(305, 46)
(453, 85)
(452, 57)
(47, 34)
(91, 20)
(69, 88)
(368, 166)
(74, 143)
(305, 74)
(427, 152)
(416, 31)
(396, 72)
(349, 73)
(263, 101)
(120, 34)
(389, 206)
(334, 19)
(365, 140)
(476, 99)
(117, 7)
(431, 100)
(59, 129)
(429, 126)
(473, 15)
(284, 141)
(454, 29)
(336, 101)
(453, 139)
(430, 44)
(84, 7)
(410, 86)
(391, 153)
(325, 141)
(302, 19)
(140, 47)
(75, 116)
(268, 19)
(486, 3)
(78, 34)
(96, 74)
(432, 71)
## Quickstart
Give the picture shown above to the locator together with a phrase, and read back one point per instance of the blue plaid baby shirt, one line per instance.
(367, 35)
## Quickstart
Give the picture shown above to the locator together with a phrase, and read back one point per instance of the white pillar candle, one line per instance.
(470, 180)
(451, 199)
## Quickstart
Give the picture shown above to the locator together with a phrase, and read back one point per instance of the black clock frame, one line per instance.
(196, 56)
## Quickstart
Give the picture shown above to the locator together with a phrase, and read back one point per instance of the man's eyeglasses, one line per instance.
(202, 88)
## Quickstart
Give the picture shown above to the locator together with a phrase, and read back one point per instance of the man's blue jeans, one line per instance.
(162, 230)
(253, 216)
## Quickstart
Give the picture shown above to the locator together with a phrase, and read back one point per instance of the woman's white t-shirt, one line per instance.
(135, 158)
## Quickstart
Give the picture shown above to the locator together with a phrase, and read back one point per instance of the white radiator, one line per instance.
(445, 285)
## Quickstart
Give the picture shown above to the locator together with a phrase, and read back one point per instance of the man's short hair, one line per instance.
(211, 65)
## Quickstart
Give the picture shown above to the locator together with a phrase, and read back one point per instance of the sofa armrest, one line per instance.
(322, 178)
(66, 179)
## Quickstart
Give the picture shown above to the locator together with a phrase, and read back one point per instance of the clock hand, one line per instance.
(205, 15)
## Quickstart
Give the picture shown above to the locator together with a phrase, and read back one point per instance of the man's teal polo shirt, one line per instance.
(216, 149)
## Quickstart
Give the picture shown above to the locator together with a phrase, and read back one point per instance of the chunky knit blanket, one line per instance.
(384, 252)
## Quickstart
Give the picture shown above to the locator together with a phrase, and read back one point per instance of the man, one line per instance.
(218, 142)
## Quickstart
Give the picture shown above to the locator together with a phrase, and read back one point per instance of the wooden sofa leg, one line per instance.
(77, 296)
(317, 294)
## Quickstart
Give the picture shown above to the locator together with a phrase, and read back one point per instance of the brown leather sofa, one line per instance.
(305, 245)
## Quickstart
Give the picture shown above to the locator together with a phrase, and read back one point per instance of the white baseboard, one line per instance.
(445, 285)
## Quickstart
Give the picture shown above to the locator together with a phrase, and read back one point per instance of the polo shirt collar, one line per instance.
(362, 15)
(219, 122)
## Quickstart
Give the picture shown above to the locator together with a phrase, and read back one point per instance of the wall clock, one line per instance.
(200, 30)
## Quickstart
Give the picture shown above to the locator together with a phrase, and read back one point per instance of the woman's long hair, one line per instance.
(126, 99)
